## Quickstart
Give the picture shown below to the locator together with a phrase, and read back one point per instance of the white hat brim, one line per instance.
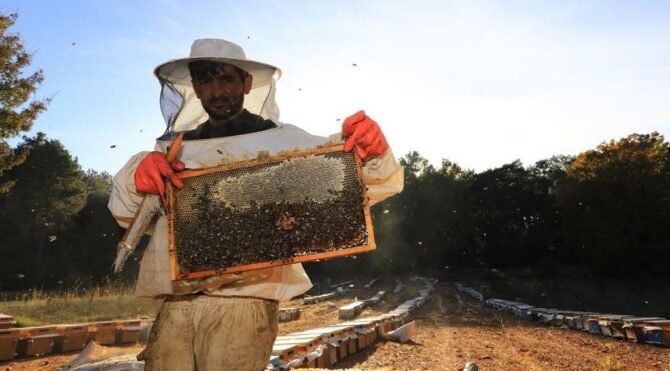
(176, 71)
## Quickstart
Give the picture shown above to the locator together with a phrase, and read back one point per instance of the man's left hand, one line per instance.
(363, 134)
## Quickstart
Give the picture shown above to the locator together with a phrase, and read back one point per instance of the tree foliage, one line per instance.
(49, 190)
(95, 234)
(616, 202)
(607, 209)
(17, 110)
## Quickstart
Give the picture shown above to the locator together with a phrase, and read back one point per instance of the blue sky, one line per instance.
(481, 83)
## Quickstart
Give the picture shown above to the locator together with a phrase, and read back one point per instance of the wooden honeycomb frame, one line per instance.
(178, 274)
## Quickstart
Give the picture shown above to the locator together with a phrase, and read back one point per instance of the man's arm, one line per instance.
(145, 173)
(125, 199)
(382, 174)
(383, 177)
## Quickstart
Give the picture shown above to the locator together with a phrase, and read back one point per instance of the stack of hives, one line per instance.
(6, 321)
(322, 347)
(343, 284)
(470, 291)
(33, 341)
(651, 330)
(376, 298)
(412, 304)
(355, 308)
(307, 300)
(351, 310)
(372, 282)
(288, 314)
(398, 287)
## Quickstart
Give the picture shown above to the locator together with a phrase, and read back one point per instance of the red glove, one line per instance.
(150, 174)
(363, 134)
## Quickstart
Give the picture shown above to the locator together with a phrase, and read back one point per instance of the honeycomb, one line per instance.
(274, 210)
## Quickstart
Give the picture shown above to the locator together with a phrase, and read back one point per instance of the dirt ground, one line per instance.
(452, 330)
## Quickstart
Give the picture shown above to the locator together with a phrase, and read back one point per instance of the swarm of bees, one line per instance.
(220, 235)
(274, 231)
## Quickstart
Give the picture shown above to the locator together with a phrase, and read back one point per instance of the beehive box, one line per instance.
(73, 337)
(657, 332)
(128, 331)
(307, 300)
(633, 327)
(285, 352)
(303, 344)
(326, 337)
(104, 332)
(288, 314)
(298, 207)
(574, 319)
(37, 340)
(593, 326)
(351, 310)
(9, 339)
(6, 321)
(306, 345)
(337, 349)
(347, 333)
(366, 334)
(339, 340)
(612, 325)
(322, 359)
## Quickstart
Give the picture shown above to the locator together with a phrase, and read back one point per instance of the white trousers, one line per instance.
(209, 333)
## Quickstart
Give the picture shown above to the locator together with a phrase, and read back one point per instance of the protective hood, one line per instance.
(180, 106)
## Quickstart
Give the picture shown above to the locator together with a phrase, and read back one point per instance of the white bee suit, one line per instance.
(231, 323)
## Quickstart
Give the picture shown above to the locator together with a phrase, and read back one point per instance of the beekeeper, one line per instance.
(225, 104)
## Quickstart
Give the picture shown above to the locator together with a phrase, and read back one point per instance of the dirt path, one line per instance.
(53, 362)
(325, 313)
(454, 329)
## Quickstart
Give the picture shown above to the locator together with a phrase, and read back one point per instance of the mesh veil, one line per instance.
(180, 106)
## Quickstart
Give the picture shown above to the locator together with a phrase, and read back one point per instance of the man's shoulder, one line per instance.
(257, 122)
(168, 136)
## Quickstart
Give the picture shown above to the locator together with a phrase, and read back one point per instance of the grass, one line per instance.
(100, 303)
(610, 365)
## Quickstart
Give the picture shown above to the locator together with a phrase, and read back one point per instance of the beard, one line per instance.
(223, 108)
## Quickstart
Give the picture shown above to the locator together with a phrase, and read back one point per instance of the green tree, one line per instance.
(49, 189)
(415, 165)
(545, 235)
(441, 232)
(392, 220)
(17, 110)
(98, 184)
(616, 202)
(509, 210)
(551, 170)
(95, 234)
(428, 225)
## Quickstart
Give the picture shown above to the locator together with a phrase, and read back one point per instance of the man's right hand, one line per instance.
(152, 170)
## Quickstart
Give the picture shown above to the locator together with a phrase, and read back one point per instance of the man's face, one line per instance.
(220, 88)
